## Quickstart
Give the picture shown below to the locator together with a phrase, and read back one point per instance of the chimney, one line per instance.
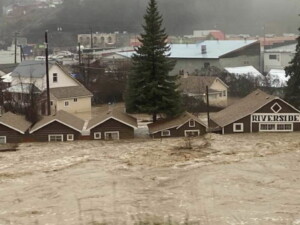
(203, 49)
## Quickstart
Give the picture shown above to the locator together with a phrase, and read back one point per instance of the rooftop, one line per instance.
(14, 121)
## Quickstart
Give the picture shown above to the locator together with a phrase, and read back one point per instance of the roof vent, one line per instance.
(203, 49)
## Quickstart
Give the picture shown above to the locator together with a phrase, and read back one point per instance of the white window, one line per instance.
(224, 93)
(191, 133)
(75, 99)
(2, 139)
(276, 108)
(112, 135)
(97, 135)
(165, 133)
(55, 78)
(275, 127)
(66, 103)
(238, 127)
(70, 137)
(192, 123)
(55, 137)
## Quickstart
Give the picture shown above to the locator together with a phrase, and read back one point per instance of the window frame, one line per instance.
(112, 132)
(97, 138)
(5, 139)
(75, 99)
(186, 131)
(165, 135)
(70, 139)
(68, 103)
(54, 77)
(56, 135)
(192, 124)
(276, 127)
(235, 130)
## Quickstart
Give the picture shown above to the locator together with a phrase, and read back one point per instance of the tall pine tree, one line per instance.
(293, 85)
(150, 87)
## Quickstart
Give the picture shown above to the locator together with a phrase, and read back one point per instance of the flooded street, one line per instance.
(231, 179)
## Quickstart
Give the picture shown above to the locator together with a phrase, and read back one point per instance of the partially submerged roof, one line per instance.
(242, 108)
(214, 49)
(7, 68)
(62, 117)
(178, 121)
(31, 68)
(118, 115)
(70, 92)
(243, 70)
(197, 84)
(15, 122)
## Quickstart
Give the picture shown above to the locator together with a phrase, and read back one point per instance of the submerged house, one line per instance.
(195, 86)
(257, 112)
(59, 127)
(185, 125)
(112, 125)
(13, 128)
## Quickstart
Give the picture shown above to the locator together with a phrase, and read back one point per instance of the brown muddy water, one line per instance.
(231, 179)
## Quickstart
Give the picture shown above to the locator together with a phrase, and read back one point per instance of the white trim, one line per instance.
(112, 132)
(165, 135)
(61, 135)
(186, 122)
(185, 132)
(276, 129)
(12, 127)
(70, 139)
(236, 130)
(222, 82)
(249, 114)
(5, 139)
(55, 120)
(276, 104)
(97, 138)
(111, 117)
(276, 114)
(192, 120)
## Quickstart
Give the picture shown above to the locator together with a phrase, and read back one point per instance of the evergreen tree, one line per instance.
(150, 87)
(293, 85)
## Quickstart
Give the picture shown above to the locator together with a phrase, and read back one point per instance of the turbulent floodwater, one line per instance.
(231, 179)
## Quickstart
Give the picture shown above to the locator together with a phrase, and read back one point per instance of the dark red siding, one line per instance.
(246, 121)
(285, 108)
(125, 131)
(54, 128)
(180, 132)
(12, 136)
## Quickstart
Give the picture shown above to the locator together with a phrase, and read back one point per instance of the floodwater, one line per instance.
(231, 179)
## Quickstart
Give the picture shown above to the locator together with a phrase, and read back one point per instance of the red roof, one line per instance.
(218, 35)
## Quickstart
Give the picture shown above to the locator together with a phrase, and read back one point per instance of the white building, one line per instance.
(278, 57)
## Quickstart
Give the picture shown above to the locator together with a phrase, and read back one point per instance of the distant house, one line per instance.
(13, 128)
(191, 58)
(66, 92)
(196, 86)
(257, 112)
(185, 125)
(59, 127)
(112, 125)
(279, 56)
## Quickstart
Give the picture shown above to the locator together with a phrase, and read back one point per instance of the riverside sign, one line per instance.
(278, 117)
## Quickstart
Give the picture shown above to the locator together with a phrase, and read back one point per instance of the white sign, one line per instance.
(278, 117)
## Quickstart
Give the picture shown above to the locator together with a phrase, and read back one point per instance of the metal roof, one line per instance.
(31, 68)
(214, 49)
(243, 70)
(24, 89)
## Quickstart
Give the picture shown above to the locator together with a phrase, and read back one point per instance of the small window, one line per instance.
(238, 127)
(224, 93)
(97, 135)
(165, 133)
(51, 103)
(66, 103)
(206, 65)
(2, 139)
(54, 77)
(75, 99)
(220, 95)
(70, 137)
(192, 123)
(273, 57)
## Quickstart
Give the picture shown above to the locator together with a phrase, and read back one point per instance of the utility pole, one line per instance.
(92, 44)
(15, 47)
(207, 104)
(21, 53)
(47, 74)
(79, 54)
